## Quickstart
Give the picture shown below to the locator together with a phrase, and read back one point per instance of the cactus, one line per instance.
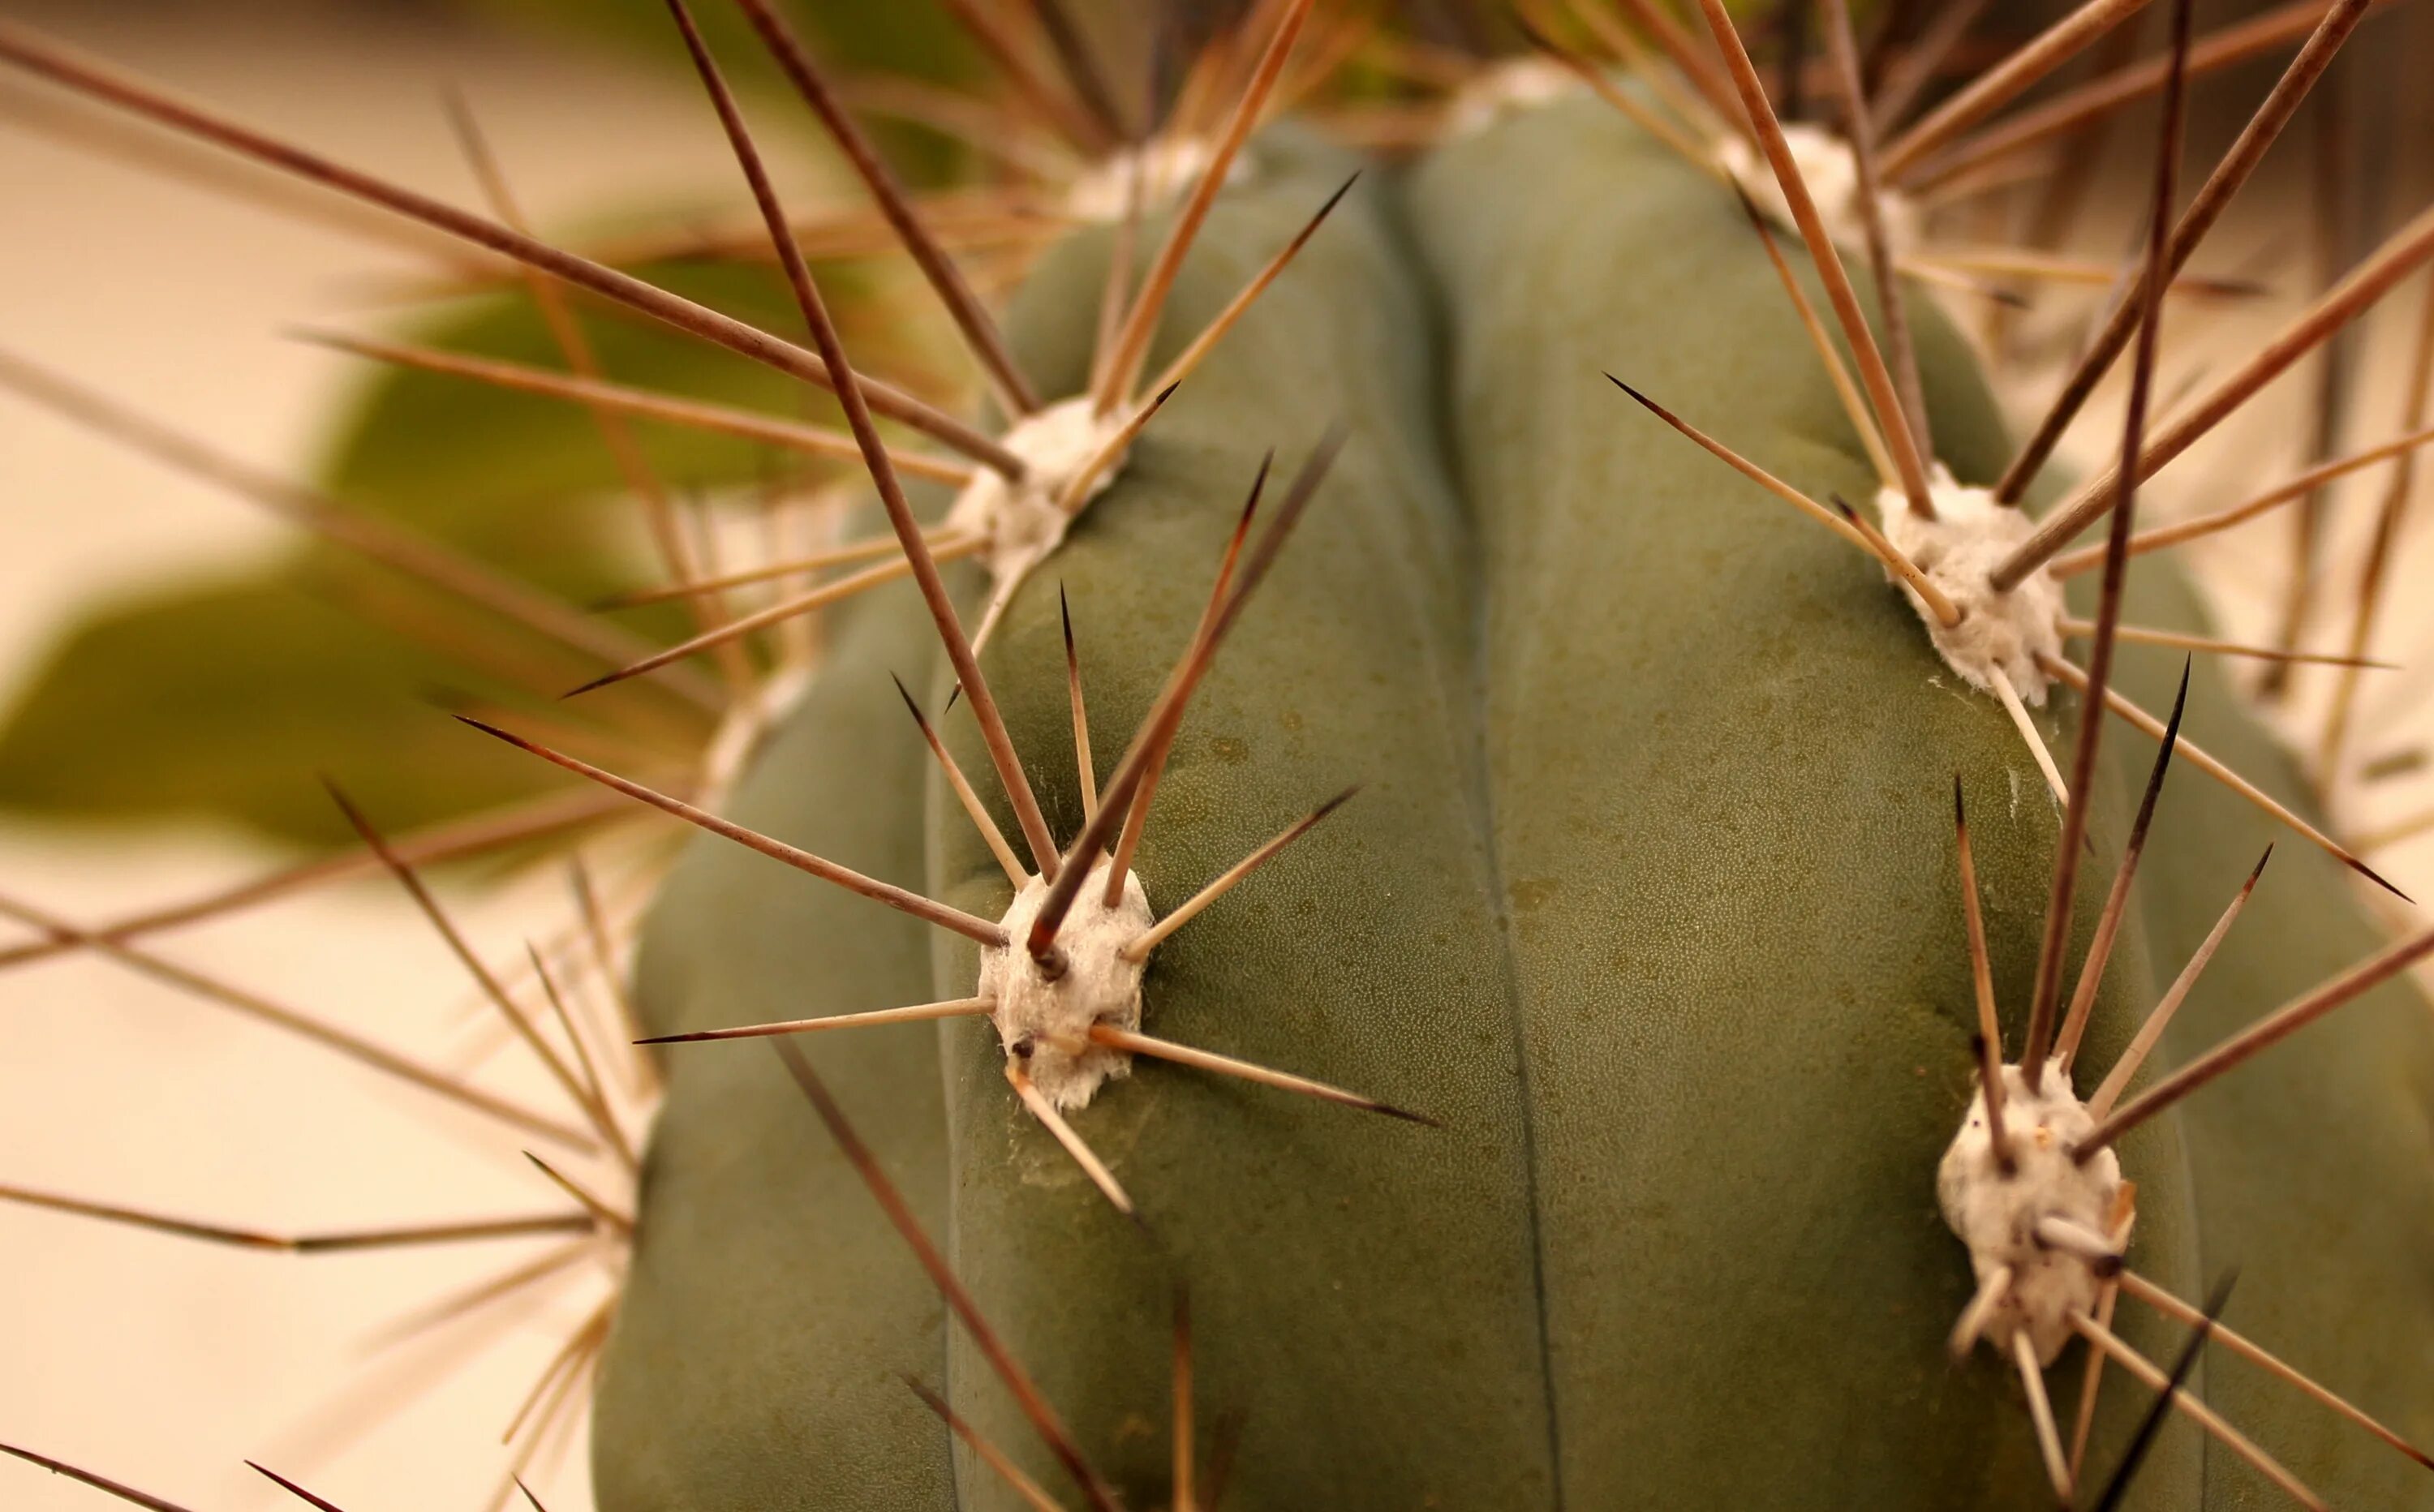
(1700, 878)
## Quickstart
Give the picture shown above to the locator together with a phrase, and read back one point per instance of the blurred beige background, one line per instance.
(162, 1361)
(154, 1360)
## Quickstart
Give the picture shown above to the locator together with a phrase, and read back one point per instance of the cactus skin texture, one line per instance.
(1649, 895)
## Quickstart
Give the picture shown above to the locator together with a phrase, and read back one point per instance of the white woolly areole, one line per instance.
(1100, 191)
(1996, 1215)
(1024, 522)
(1958, 551)
(1044, 1021)
(1508, 88)
(1832, 175)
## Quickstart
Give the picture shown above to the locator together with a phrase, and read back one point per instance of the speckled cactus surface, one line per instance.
(1648, 897)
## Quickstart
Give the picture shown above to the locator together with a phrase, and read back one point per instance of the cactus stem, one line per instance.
(970, 926)
(2082, 629)
(2117, 901)
(1132, 1042)
(1189, 360)
(1077, 490)
(2262, 1035)
(99, 1482)
(1651, 121)
(1138, 949)
(1088, 782)
(2032, 1379)
(623, 1223)
(1845, 389)
(2204, 762)
(959, 1301)
(917, 1013)
(1157, 728)
(1908, 462)
(1842, 523)
(2205, 1416)
(1041, 1108)
(980, 332)
(469, 1232)
(995, 838)
(2149, 1032)
(1933, 600)
(1031, 1494)
(1140, 322)
(2171, 1306)
(1136, 815)
(750, 425)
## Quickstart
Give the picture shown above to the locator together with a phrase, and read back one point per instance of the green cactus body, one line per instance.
(1325, 1252)
(1649, 896)
(1719, 749)
(770, 1311)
